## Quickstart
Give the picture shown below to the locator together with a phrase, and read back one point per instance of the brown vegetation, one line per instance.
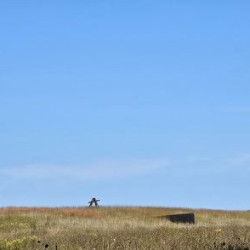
(120, 228)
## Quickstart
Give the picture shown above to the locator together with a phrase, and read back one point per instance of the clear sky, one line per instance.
(137, 102)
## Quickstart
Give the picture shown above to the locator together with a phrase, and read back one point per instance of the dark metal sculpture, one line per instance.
(94, 202)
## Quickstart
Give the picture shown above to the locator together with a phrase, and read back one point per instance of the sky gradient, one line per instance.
(132, 102)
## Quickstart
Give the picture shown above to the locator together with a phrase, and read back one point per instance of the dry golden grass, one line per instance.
(120, 228)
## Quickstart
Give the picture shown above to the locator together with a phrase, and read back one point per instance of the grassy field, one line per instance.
(120, 228)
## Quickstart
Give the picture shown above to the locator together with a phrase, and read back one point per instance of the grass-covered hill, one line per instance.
(121, 228)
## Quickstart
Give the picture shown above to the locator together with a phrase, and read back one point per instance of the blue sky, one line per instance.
(133, 102)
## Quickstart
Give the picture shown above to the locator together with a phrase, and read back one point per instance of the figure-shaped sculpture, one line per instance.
(94, 202)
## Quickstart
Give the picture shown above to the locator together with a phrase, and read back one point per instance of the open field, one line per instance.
(120, 228)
